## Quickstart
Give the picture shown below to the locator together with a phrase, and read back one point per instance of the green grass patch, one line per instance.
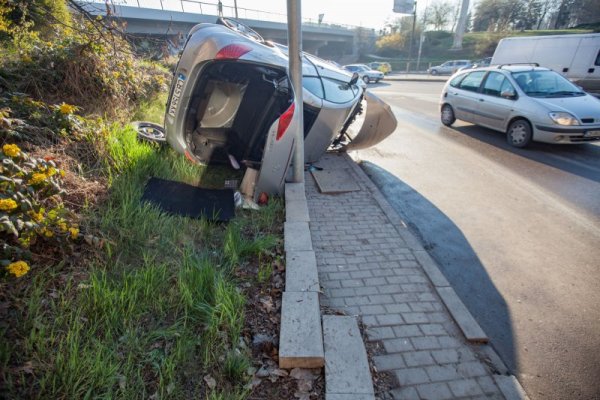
(155, 310)
(152, 110)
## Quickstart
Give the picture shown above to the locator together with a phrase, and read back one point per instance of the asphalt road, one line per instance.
(515, 231)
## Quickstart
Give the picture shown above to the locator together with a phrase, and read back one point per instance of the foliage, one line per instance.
(31, 208)
(80, 64)
(502, 15)
(39, 14)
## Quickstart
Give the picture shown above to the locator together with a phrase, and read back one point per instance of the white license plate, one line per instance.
(176, 95)
(592, 134)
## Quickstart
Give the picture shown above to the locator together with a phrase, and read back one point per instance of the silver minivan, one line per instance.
(529, 103)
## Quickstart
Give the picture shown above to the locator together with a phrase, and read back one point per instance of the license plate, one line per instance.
(176, 95)
(592, 134)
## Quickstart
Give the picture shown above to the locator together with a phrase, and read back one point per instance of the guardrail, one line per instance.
(202, 7)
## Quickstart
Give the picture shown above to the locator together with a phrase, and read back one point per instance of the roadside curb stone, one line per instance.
(346, 365)
(297, 236)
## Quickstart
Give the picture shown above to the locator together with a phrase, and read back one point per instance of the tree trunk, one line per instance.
(460, 26)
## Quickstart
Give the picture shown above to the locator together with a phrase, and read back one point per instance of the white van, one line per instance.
(577, 57)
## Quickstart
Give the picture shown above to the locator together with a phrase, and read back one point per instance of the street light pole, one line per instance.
(235, 7)
(295, 68)
(412, 35)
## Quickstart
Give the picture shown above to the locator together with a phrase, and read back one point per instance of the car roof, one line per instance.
(513, 68)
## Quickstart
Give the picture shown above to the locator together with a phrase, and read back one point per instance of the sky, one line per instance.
(365, 13)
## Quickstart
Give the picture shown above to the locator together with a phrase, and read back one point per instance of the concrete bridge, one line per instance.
(329, 41)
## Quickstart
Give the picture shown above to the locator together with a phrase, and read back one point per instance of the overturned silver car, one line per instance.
(231, 101)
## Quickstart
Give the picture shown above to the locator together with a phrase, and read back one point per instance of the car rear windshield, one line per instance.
(545, 84)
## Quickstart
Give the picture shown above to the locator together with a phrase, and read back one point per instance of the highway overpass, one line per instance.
(336, 42)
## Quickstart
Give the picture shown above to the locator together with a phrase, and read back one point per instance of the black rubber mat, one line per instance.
(190, 201)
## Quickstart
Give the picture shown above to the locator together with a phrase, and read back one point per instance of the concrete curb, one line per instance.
(456, 308)
(413, 79)
(301, 335)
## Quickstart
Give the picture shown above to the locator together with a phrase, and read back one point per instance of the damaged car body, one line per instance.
(231, 101)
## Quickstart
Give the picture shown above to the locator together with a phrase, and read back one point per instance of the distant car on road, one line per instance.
(529, 103)
(449, 67)
(365, 73)
(384, 67)
(484, 62)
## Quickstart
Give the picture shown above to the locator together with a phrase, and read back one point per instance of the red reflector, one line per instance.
(189, 157)
(232, 51)
(284, 121)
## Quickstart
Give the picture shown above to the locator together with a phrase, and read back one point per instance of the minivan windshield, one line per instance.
(545, 84)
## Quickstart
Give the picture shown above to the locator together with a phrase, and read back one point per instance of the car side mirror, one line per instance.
(354, 79)
(508, 94)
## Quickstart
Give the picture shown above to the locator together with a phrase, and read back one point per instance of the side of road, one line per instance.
(399, 76)
(371, 266)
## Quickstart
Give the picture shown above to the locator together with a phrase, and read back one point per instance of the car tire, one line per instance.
(519, 133)
(434, 72)
(447, 115)
(149, 132)
(366, 79)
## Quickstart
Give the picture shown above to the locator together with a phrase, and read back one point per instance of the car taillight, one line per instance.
(232, 51)
(284, 121)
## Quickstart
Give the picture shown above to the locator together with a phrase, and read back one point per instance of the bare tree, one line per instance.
(438, 14)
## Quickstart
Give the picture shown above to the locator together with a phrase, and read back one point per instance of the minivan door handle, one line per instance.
(482, 100)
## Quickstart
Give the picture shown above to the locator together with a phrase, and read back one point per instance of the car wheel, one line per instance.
(519, 133)
(366, 79)
(447, 115)
(149, 131)
(434, 72)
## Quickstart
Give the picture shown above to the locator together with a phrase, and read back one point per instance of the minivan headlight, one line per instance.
(563, 118)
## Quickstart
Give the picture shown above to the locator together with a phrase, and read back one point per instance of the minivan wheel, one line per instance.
(366, 79)
(447, 115)
(519, 133)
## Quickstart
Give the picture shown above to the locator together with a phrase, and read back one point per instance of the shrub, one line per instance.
(82, 64)
(31, 209)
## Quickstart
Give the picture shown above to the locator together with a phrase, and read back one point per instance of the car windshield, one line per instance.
(545, 84)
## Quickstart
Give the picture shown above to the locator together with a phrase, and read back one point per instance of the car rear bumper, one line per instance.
(574, 135)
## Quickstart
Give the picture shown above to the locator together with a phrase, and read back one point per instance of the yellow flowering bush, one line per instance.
(31, 209)
(66, 109)
(11, 150)
(18, 268)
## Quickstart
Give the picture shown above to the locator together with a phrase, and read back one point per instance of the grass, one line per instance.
(156, 307)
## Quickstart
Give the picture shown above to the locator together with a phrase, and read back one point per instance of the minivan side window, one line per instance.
(597, 59)
(493, 84)
(472, 81)
(456, 80)
(496, 83)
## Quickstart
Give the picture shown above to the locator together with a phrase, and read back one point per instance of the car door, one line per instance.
(495, 102)
(465, 96)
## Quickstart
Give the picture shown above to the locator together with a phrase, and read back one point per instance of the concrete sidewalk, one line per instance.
(371, 266)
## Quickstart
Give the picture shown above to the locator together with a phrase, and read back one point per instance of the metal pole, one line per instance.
(235, 6)
(421, 40)
(412, 35)
(294, 17)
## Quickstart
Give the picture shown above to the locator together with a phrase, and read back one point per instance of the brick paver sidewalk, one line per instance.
(367, 269)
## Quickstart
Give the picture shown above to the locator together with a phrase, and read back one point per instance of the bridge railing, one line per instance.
(202, 7)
